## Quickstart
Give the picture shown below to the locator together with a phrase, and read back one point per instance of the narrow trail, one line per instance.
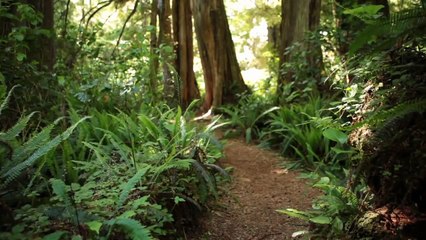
(259, 187)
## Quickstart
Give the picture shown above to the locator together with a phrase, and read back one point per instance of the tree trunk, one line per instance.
(153, 69)
(43, 49)
(222, 74)
(166, 50)
(182, 33)
(298, 17)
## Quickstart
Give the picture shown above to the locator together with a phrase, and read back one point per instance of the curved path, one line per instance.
(259, 187)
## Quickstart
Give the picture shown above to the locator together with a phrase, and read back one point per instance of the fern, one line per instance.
(59, 188)
(38, 140)
(13, 173)
(400, 110)
(6, 100)
(13, 132)
(205, 176)
(410, 22)
(219, 170)
(134, 228)
(130, 185)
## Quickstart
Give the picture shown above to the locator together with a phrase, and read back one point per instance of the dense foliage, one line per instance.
(94, 144)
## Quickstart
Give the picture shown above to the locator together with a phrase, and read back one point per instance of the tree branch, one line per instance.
(124, 27)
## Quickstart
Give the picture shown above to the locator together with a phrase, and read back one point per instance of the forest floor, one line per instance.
(247, 209)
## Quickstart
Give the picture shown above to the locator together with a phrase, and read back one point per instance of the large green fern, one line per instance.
(386, 32)
(130, 185)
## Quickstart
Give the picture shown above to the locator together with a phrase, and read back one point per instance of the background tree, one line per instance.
(166, 49)
(184, 49)
(298, 17)
(222, 74)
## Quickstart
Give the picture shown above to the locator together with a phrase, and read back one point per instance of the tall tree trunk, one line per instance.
(153, 68)
(298, 17)
(166, 46)
(222, 74)
(183, 35)
(44, 50)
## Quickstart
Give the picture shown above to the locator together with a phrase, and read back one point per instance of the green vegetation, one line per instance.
(98, 101)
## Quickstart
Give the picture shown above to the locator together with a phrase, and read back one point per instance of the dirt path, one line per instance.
(259, 188)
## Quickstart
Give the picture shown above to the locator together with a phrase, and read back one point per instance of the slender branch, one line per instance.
(95, 12)
(124, 27)
(64, 31)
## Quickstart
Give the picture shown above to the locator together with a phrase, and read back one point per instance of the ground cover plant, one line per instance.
(108, 112)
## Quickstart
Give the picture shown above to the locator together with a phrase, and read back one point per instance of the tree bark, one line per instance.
(298, 17)
(47, 55)
(153, 48)
(166, 53)
(222, 74)
(183, 37)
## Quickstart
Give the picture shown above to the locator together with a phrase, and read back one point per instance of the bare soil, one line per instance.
(259, 187)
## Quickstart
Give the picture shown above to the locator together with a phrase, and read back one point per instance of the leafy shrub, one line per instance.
(248, 116)
(166, 167)
(292, 130)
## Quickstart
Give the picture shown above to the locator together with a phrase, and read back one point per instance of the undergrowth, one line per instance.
(146, 174)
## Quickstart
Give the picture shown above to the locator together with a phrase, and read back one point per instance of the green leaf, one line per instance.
(321, 220)
(153, 130)
(335, 135)
(296, 213)
(179, 200)
(13, 132)
(55, 236)
(76, 237)
(130, 185)
(338, 224)
(364, 12)
(134, 228)
(61, 80)
(21, 56)
(19, 37)
(15, 171)
(94, 226)
(248, 135)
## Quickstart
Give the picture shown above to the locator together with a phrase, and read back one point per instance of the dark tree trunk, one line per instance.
(153, 72)
(298, 17)
(43, 49)
(222, 74)
(166, 54)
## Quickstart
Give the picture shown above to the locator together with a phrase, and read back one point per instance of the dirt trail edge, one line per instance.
(258, 189)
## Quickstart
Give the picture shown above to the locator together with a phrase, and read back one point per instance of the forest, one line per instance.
(219, 119)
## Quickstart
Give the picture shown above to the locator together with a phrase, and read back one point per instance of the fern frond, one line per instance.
(219, 170)
(59, 188)
(128, 187)
(7, 99)
(15, 171)
(179, 164)
(409, 22)
(205, 176)
(132, 227)
(13, 132)
(152, 129)
(398, 111)
(34, 142)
